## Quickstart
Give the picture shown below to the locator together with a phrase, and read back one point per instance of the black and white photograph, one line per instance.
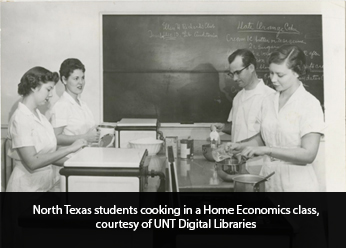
(186, 97)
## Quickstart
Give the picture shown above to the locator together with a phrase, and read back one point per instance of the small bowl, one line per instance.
(207, 152)
(229, 168)
(153, 146)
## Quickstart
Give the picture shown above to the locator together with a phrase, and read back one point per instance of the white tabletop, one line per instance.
(106, 157)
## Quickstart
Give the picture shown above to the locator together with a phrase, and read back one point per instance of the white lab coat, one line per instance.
(25, 129)
(245, 110)
(302, 114)
(77, 119)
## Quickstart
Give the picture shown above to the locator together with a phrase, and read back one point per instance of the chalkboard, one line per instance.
(174, 67)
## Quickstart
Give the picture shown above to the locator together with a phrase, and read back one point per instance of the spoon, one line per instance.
(255, 186)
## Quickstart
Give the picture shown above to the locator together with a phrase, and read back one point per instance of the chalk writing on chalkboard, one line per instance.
(287, 28)
(174, 67)
(184, 30)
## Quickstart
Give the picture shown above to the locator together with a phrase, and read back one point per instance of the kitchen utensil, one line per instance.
(207, 152)
(214, 138)
(250, 183)
(107, 140)
(107, 135)
(186, 148)
(229, 168)
(223, 175)
(255, 186)
(173, 171)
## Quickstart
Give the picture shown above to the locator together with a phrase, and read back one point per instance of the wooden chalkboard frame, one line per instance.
(318, 70)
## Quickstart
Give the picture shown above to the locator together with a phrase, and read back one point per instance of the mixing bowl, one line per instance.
(231, 167)
(152, 145)
(207, 152)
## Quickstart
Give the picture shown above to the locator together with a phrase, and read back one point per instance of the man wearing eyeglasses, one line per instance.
(242, 122)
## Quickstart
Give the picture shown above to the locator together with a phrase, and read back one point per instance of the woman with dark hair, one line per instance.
(71, 117)
(291, 124)
(32, 137)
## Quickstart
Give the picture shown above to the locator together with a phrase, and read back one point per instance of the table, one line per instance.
(193, 175)
(199, 175)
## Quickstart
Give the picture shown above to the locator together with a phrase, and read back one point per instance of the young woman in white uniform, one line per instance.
(71, 117)
(32, 137)
(291, 126)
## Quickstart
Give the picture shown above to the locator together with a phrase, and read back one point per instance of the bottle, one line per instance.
(214, 138)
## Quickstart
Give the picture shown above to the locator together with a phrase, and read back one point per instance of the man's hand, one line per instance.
(217, 126)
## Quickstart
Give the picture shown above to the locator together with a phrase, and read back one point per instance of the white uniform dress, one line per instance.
(245, 110)
(77, 119)
(25, 129)
(302, 114)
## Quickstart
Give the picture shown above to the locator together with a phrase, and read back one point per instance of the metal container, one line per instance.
(246, 183)
(229, 168)
(186, 148)
(207, 152)
(190, 146)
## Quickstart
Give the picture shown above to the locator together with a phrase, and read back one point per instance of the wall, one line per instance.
(47, 33)
(44, 34)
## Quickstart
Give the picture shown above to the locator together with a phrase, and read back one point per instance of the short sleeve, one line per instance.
(20, 133)
(59, 115)
(230, 116)
(313, 120)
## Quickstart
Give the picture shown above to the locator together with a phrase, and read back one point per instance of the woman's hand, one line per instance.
(93, 136)
(231, 147)
(251, 151)
(78, 144)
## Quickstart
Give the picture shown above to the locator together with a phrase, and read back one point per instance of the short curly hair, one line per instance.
(68, 66)
(293, 56)
(35, 77)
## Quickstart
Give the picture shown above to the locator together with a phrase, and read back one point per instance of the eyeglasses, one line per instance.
(231, 74)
